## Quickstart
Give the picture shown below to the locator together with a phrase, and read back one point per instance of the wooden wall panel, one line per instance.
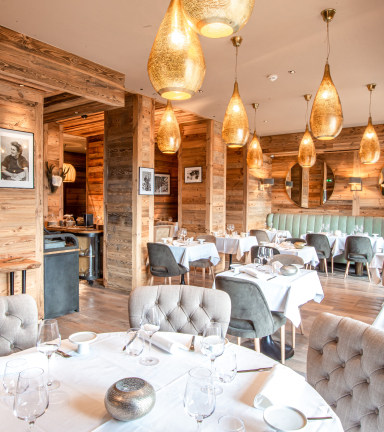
(235, 188)
(75, 193)
(95, 175)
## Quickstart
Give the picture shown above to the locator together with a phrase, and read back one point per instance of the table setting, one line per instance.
(307, 253)
(275, 235)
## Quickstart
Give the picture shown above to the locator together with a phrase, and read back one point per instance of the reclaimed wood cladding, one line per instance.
(75, 193)
(235, 188)
(95, 175)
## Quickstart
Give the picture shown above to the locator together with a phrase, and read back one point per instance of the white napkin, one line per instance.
(170, 342)
(277, 265)
(286, 245)
(253, 272)
(189, 240)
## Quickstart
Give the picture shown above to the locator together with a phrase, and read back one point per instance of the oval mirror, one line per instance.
(310, 187)
(381, 181)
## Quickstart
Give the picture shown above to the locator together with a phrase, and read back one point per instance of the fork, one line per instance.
(63, 354)
(192, 347)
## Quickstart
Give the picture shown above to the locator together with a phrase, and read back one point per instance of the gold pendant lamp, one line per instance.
(235, 126)
(369, 147)
(255, 154)
(176, 64)
(217, 18)
(168, 136)
(307, 151)
(327, 114)
(71, 173)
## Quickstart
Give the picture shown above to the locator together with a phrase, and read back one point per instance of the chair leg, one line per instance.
(332, 263)
(301, 324)
(151, 281)
(238, 341)
(165, 281)
(369, 276)
(187, 274)
(256, 342)
(282, 342)
(325, 266)
(347, 269)
(194, 274)
(203, 272)
(293, 336)
(213, 273)
(169, 281)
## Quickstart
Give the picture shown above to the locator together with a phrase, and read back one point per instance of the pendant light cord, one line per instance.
(306, 114)
(237, 49)
(328, 42)
(254, 121)
(370, 101)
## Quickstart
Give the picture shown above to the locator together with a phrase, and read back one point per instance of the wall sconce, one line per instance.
(54, 181)
(289, 184)
(356, 184)
(71, 173)
(266, 183)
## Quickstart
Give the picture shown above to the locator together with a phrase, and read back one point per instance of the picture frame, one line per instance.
(17, 159)
(193, 174)
(146, 181)
(162, 184)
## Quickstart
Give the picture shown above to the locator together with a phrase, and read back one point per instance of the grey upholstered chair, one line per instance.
(261, 235)
(358, 250)
(345, 365)
(204, 263)
(323, 249)
(162, 263)
(286, 259)
(163, 231)
(295, 240)
(250, 313)
(18, 323)
(185, 309)
(255, 250)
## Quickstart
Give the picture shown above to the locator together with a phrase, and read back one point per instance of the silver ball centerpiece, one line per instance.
(130, 399)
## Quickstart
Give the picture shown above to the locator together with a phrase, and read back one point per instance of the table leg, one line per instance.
(24, 281)
(359, 268)
(272, 349)
(11, 283)
(182, 282)
(230, 260)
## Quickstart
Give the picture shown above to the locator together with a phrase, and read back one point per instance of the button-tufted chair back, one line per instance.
(18, 323)
(345, 364)
(185, 309)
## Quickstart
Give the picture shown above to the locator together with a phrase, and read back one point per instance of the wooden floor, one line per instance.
(105, 310)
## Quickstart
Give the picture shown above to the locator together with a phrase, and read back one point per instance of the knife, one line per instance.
(256, 370)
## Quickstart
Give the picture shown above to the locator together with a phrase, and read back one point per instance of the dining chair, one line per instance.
(250, 314)
(345, 363)
(255, 250)
(184, 309)
(286, 259)
(358, 250)
(18, 323)
(204, 263)
(323, 249)
(261, 235)
(295, 240)
(162, 231)
(162, 263)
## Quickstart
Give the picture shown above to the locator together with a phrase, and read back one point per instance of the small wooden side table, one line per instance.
(10, 265)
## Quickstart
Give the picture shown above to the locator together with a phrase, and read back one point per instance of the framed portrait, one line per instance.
(193, 174)
(146, 181)
(162, 184)
(16, 154)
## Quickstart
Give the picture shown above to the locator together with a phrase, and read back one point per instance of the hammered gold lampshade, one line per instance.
(255, 154)
(217, 18)
(307, 151)
(369, 152)
(168, 136)
(176, 65)
(71, 174)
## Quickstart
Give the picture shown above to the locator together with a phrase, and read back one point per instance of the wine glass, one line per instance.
(268, 254)
(199, 404)
(11, 374)
(134, 342)
(261, 253)
(356, 230)
(150, 323)
(31, 398)
(226, 367)
(49, 341)
(230, 423)
(212, 345)
(361, 229)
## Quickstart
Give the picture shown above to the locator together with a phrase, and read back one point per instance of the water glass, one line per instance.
(261, 253)
(11, 374)
(150, 324)
(257, 262)
(134, 342)
(231, 424)
(226, 367)
(31, 398)
(268, 254)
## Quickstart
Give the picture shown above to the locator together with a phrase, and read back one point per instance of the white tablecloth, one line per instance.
(195, 251)
(375, 267)
(286, 293)
(272, 234)
(235, 245)
(78, 405)
(307, 253)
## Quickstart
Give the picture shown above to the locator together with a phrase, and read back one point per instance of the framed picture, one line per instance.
(162, 184)
(146, 181)
(193, 175)
(16, 154)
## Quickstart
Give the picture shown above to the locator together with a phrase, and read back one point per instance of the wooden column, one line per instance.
(246, 186)
(95, 174)
(305, 187)
(356, 194)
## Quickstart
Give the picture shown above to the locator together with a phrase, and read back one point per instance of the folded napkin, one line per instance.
(286, 245)
(276, 265)
(170, 342)
(253, 272)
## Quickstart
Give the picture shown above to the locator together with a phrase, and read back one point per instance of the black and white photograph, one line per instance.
(146, 181)
(16, 150)
(162, 184)
(193, 174)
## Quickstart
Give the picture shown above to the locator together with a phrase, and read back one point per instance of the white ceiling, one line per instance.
(281, 35)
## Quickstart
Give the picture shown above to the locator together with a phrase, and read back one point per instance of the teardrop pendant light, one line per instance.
(235, 125)
(176, 64)
(327, 113)
(307, 151)
(255, 154)
(168, 136)
(217, 18)
(369, 152)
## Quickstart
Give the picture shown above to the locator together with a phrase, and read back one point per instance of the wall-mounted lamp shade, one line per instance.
(327, 114)
(168, 136)
(217, 18)
(355, 180)
(176, 65)
(71, 174)
(356, 184)
(307, 151)
(369, 152)
(255, 154)
(235, 126)
(269, 181)
(289, 184)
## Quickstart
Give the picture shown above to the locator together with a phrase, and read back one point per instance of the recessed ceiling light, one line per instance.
(291, 72)
(200, 91)
(21, 85)
(141, 89)
(265, 121)
(272, 77)
(76, 112)
(214, 116)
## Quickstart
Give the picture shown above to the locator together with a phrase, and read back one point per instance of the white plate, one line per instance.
(284, 418)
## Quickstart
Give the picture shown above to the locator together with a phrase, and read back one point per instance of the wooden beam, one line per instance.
(22, 57)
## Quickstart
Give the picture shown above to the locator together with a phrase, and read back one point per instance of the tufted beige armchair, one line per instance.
(18, 323)
(345, 364)
(185, 309)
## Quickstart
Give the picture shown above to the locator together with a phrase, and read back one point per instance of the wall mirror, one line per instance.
(310, 187)
(381, 181)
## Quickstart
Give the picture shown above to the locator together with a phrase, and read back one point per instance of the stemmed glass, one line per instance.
(361, 229)
(11, 375)
(199, 396)
(49, 341)
(134, 342)
(268, 254)
(150, 324)
(31, 398)
(356, 230)
(261, 253)
(212, 345)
